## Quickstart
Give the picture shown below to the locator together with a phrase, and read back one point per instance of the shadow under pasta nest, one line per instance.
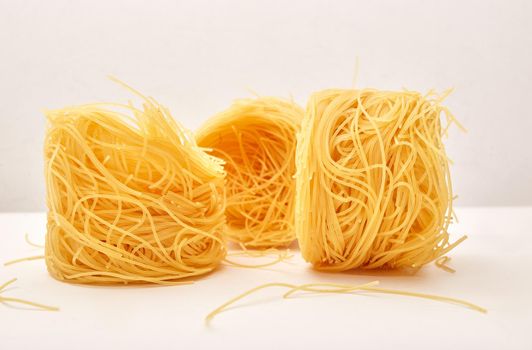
(188, 281)
(376, 273)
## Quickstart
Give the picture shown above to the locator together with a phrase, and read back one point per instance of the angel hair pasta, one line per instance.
(131, 197)
(256, 138)
(373, 187)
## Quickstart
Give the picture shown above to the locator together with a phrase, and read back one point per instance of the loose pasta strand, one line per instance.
(442, 264)
(338, 288)
(28, 258)
(33, 244)
(23, 301)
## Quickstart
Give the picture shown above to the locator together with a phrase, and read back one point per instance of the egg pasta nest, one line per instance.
(372, 186)
(257, 139)
(131, 197)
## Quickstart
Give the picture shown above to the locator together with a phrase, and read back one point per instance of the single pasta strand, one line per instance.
(28, 258)
(428, 296)
(441, 263)
(131, 197)
(256, 139)
(328, 288)
(222, 307)
(292, 288)
(22, 301)
(27, 239)
(373, 186)
(339, 288)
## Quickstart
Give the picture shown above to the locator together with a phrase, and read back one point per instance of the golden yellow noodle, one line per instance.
(131, 197)
(256, 138)
(442, 264)
(28, 258)
(371, 287)
(30, 242)
(22, 301)
(372, 184)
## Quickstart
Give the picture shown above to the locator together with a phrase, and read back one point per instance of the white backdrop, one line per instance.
(196, 56)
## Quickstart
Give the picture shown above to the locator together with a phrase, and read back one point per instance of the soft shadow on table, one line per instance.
(465, 264)
(186, 282)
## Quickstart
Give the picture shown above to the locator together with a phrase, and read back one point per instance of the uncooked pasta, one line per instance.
(441, 263)
(256, 138)
(371, 287)
(373, 188)
(4, 299)
(131, 197)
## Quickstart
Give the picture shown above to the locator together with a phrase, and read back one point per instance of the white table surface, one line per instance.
(493, 270)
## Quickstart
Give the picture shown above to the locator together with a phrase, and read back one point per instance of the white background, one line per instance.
(492, 271)
(196, 56)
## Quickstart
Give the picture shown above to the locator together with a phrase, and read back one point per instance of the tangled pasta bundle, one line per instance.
(256, 138)
(131, 197)
(373, 187)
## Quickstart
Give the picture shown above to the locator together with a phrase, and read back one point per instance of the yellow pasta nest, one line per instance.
(256, 138)
(131, 197)
(373, 187)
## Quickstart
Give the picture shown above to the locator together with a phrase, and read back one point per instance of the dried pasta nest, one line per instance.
(373, 183)
(256, 139)
(131, 197)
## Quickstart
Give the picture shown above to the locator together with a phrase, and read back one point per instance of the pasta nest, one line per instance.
(373, 188)
(131, 197)
(257, 140)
